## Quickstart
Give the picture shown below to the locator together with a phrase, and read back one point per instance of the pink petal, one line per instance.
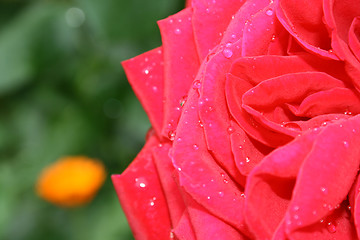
(247, 151)
(207, 226)
(270, 184)
(165, 171)
(181, 63)
(354, 37)
(354, 199)
(145, 74)
(210, 20)
(323, 163)
(142, 198)
(236, 87)
(200, 176)
(184, 230)
(306, 26)
(334, 100)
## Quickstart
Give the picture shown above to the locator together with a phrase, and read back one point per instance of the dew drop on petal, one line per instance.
(346, 144)
(221, 194)
(171, 135)
(196, 147)
(331, 227)
(269, 12)
(227, 53)
(196, 84)
(177, 31)
(140, 182)
(230, 130)
(324, 190)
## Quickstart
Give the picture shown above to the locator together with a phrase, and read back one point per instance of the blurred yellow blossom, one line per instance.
(71, 181)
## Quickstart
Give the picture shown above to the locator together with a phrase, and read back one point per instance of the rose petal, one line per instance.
(247, 151)
(214, 227)
(210, 20)
(142, 198)
(212, 103)
(271, 182)
(323, 179)
(306, 26)
(336, 100)
(339, 23)
(200, 176)
(181, 63)
(336, 226)
(145, 74)
(354, 37)
(184, 230)
(165, 171)
(236, 87)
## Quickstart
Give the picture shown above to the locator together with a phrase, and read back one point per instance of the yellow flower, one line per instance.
(71, 181)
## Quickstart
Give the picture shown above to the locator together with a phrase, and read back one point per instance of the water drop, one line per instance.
(196, 84)
(172, 235)
(221, 194)
(177, 31)
(196, 147)
(331, 227)
(179, 139)
(296, 216)
(154, 88)
(233, 36)
(273, 38)
(179, 169)
(227, 53)
(230, 130)
(146, 71)
(324, 190)
(243, 195)
(269, 12)
(226, 181)
(140, 182)
(346, 144)
(171, 135)
(208, 197)
(247, 159)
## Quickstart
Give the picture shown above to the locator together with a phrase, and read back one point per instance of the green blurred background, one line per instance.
(63, 92)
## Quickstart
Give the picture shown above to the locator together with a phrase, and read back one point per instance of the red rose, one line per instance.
(255, 126)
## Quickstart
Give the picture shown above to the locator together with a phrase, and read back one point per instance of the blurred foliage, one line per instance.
(63, 92)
